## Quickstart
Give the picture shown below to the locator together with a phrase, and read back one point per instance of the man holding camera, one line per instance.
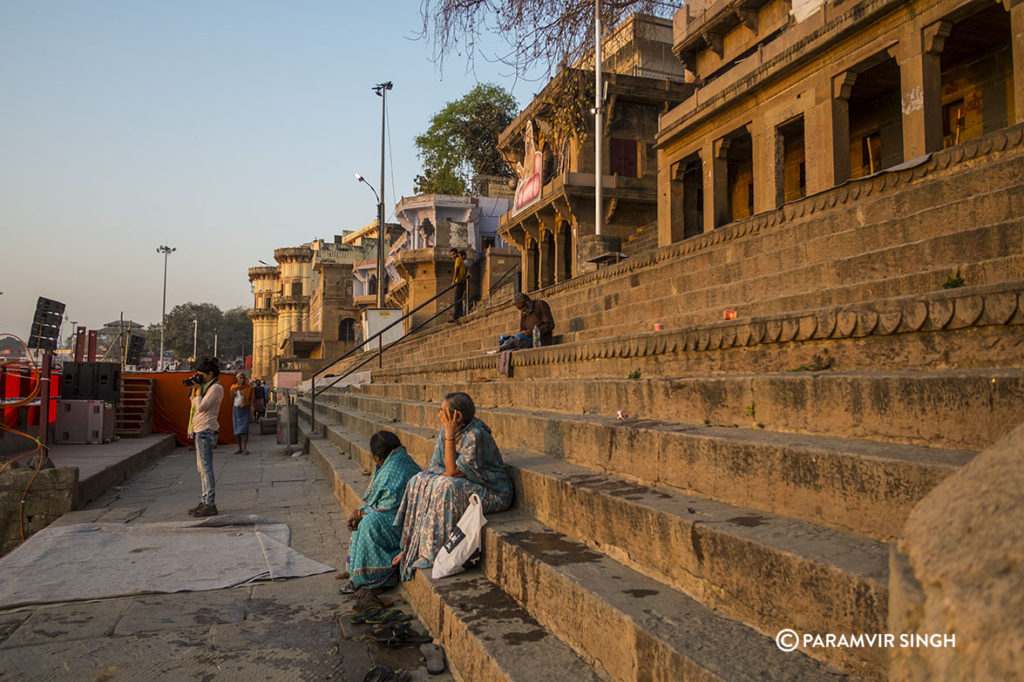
(206, 396)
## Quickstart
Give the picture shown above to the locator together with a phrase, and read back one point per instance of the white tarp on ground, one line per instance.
(90, 561)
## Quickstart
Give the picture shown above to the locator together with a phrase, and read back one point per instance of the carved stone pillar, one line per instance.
(768, 150)
(842, 86)
(921, 89)
(1016, 10)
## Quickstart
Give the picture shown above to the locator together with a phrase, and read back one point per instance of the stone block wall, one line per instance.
(52, 495)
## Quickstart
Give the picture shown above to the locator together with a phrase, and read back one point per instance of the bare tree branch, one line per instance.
(541, 33)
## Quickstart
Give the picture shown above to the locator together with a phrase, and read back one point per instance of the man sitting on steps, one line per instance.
(531, 314)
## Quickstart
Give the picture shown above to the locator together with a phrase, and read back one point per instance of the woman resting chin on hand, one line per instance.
(466, 461)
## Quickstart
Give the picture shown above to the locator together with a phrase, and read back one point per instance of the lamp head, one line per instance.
(359, 177)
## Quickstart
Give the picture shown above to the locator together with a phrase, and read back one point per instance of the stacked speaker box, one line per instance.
(91, 381)
(84, 421)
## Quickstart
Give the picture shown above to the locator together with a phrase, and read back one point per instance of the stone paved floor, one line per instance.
(289, 630)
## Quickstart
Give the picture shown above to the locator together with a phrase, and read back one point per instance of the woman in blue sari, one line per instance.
(466, 461)
(375, 539)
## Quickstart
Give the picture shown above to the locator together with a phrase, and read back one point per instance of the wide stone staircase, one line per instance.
(685, 493)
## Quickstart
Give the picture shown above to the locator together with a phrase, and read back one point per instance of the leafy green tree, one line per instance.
(235, 334)
(181, 318)
(10, 343)
(462, 141)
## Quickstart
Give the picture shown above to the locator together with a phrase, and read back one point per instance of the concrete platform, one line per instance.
(103, 466)
(290, 629)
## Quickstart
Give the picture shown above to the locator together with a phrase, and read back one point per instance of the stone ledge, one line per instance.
(957, 571)
(483, 631)
(989, 305)
(701, 555)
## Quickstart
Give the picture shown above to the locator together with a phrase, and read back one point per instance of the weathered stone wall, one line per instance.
(957, 570)
(51, 495)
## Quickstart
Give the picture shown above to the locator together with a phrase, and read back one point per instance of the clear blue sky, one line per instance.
(223, 128)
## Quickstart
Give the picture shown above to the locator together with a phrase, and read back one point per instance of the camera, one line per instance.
(194, 380)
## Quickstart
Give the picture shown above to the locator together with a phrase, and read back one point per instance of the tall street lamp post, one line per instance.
(382, 91)
(167, 251)
(380, 240)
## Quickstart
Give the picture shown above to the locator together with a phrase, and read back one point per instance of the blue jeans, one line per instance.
(515, 341)
(205, 441)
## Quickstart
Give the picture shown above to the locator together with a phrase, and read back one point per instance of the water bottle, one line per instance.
(536, 336)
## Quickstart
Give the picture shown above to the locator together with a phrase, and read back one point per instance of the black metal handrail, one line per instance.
(502, 279)
(380, 351)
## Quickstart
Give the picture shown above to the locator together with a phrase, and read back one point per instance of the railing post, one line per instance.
(312, 404)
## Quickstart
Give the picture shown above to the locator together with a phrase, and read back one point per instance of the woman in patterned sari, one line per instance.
(375, 539)
(466, 461)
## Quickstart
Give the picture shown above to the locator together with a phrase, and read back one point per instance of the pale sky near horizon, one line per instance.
(224, 129)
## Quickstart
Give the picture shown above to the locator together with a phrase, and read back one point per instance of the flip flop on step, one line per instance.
(385, 674)
(433, 655)
(348, 588)
(398, 635)
(387, 616)
(360, 617)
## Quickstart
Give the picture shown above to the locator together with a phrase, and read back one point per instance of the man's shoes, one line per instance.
(203, 510)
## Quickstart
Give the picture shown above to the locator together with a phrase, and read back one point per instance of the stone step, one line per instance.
(964, 409)
(858, 486)
(630, 626)
(969, 327)
(486, 635)
(843, 245)
(906, 332)
(708, 303)
(813, 578)
(737, 275)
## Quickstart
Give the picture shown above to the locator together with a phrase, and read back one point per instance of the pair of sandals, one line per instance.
(382, 673)
(398, 635)
(380, 616)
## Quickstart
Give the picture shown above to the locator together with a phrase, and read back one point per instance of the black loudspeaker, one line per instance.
(135, 345)
(91, 381)
(69, 380)
(46, 324)
(107, 381)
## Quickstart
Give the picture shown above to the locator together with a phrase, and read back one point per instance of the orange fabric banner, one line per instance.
(171, 405)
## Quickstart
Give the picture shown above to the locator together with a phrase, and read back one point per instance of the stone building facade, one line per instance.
(795, 98)
(554, 204)
(304, 312)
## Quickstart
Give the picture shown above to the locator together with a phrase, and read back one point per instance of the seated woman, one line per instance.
(466, 461)
(375, 539)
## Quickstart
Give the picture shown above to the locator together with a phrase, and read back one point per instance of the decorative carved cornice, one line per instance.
(981, 306)
(262, 314)
(264, 272)
(301, 254)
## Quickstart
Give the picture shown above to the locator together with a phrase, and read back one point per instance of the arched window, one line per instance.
(347, 330)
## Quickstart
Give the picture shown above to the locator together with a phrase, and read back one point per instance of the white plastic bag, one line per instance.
(464, 545)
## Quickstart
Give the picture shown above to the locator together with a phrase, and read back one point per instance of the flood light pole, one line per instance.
(382, 91)
(167, 251)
